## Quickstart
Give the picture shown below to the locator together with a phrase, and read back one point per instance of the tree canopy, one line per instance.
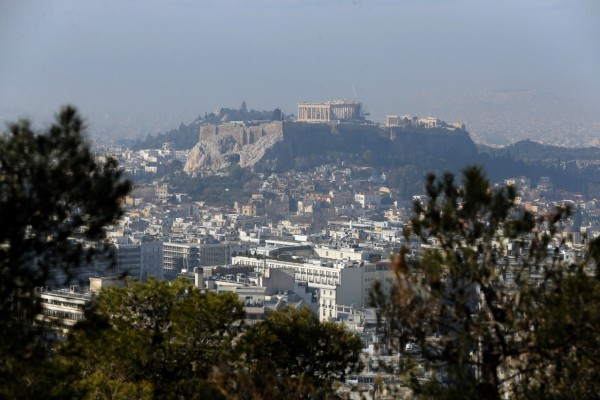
(490, 304)
(291, 355)
(162, 340)
(156, 339)
(152, 340)
(52, 190)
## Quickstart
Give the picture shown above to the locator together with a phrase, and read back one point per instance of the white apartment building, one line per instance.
(338, 283)
(366, 198)
(60, 310)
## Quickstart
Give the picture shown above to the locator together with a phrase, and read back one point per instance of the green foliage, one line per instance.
(46, 378)
(565, 362)
(161, 340)
(241, 114)
(183, 138)
(291, 355)
(233, 170)
(238, 184)
(408, 180)
(144, 341)
(566, 167)
(277, 115)
(51, 190)
(157, 338)
(531, 338)
(534, 152)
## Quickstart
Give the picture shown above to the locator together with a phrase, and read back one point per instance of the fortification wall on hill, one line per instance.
(279, 146)
(242, 133)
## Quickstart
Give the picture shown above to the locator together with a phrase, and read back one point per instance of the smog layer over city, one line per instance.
(260, 199)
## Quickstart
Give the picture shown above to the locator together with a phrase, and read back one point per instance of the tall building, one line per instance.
(180, 256)
(128, 260)
(138, 261)
(336, 110)
(151, 260)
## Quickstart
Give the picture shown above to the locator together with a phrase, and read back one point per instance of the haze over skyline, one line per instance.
(168, 62)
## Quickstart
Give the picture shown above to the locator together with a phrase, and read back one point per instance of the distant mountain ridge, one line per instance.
(533, 152)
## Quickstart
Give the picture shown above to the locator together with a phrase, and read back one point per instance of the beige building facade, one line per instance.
(336, 110)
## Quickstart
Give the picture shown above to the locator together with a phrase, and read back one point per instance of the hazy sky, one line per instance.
(180, 58)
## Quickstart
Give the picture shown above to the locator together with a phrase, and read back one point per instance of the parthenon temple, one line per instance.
(336, 110)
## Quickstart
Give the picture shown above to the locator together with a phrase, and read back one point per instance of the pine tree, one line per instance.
(52, 189)
(493, 311)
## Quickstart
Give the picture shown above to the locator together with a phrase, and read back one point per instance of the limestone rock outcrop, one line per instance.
(279, 146)
(222, 146)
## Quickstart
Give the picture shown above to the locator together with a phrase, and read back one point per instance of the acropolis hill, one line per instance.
(323, 133)
(243, 133)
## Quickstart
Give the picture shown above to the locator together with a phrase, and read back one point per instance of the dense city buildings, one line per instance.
(318, 238)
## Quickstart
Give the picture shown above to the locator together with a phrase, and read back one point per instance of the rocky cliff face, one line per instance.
(277, 146)
(219, 148)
